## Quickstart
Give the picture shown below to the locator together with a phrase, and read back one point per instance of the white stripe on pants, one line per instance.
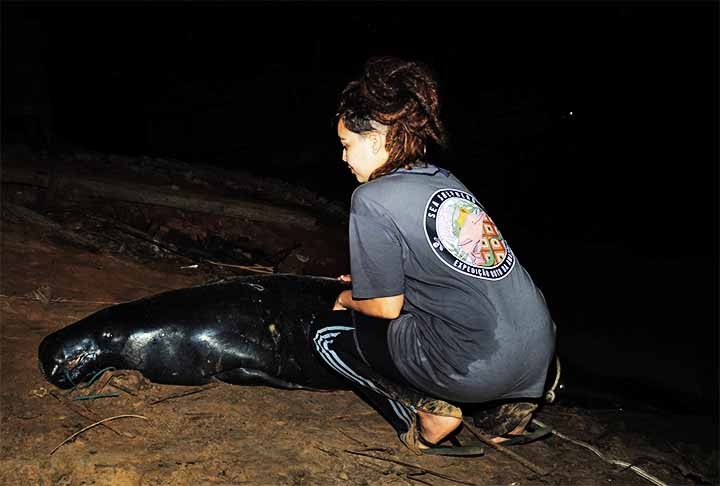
(323, 341)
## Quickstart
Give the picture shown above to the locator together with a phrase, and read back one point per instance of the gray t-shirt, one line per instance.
(474, 327)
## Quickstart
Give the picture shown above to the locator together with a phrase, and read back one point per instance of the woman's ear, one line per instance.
(378, 141)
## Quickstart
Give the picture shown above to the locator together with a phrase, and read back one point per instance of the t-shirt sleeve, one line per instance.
(375, 257)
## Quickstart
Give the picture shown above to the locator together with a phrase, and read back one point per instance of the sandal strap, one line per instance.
(517, 439)
(470, 449)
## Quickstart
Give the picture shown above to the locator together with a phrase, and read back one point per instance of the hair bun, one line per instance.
(401, 95)
(386, 80)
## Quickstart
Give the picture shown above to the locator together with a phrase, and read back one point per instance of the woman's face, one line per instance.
(362, 153)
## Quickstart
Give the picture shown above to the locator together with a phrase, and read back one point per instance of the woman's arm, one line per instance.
(383, 307)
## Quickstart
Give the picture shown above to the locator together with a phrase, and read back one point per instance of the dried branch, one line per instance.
(122, 388)
(352, 438)
(486, 439)
(413, 478)
(199, 257)
(75, 408)
(252, 268)
(49, 226)
(57, 300)
(425, 470)
(184, 394)
(91, 426)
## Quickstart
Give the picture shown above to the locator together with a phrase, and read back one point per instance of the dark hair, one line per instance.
(403, 95)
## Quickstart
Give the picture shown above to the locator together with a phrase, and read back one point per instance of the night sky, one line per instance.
(587, 129)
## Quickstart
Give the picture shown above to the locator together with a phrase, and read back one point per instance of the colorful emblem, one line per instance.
(464, 237)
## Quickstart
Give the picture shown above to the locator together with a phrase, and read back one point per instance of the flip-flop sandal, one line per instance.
(517, 439)
(469, 449)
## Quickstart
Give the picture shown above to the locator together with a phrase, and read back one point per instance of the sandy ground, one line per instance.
(228, 434)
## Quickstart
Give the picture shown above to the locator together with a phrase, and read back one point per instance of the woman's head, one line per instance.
(394, 104)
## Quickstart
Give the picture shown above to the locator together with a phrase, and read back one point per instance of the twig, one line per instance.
(252, 268)
(425, 470)
(488, 440)
(183, 394)
(373, 467)
(63, 300)
(141, 235)
(615, 462)
(93, 425)
(50, 226)
(58, 300)
(109, 376)
(352, 438)
(360, 414)
(72, 406)
(412, 477)
(122, 388)
(326, 451)
(96, 396)
(171, 248)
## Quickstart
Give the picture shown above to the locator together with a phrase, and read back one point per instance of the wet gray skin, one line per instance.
(249, 330)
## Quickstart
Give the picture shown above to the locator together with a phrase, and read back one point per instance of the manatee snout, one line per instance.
(50, 360)
(63, 361)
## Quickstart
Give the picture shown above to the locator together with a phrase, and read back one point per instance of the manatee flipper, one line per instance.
(248, 376)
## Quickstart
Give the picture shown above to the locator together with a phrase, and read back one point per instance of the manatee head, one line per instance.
(74, 354)
(67, 358)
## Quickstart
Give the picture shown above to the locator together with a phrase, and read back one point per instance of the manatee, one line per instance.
(249, 330)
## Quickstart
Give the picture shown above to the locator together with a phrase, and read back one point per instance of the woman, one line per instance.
(443, 315)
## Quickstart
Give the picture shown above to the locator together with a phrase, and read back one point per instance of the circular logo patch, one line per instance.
(464, 237)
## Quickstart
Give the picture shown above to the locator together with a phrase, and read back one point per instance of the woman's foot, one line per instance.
(520, 429)
(434, 428)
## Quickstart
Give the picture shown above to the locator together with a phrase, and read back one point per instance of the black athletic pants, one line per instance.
(355, 346)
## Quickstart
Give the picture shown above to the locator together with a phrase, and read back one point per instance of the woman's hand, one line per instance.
(347, 278)
(338, 303)
(383, 307)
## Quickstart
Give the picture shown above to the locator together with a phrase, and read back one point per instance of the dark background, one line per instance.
(588, 130)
